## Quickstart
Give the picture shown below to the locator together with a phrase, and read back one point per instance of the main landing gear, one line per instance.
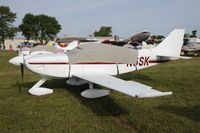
(94, 93)
(89, 93)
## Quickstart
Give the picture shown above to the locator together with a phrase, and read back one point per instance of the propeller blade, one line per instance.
(22, 68)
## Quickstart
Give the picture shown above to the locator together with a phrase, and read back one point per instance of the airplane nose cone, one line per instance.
(16, 60)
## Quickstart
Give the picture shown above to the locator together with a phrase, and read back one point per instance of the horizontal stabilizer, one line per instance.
(130, 88)
(185, 57)
(177, 57)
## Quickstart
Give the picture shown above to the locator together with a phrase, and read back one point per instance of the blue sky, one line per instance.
(83, 17)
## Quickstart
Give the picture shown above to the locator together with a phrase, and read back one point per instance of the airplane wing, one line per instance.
(131, 88)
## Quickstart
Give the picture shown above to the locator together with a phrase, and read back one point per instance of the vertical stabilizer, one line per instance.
(171, 45)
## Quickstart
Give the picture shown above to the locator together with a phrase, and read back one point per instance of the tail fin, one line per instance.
(69, 47)
(171, 45)
(72, 45)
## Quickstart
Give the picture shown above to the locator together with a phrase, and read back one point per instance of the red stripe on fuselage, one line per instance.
(47, 63)
(97, 63)
(92, 63)
(55, 63)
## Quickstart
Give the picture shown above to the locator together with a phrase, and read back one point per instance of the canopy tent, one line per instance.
(102, 53)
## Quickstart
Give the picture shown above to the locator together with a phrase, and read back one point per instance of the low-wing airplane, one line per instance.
(98, 63)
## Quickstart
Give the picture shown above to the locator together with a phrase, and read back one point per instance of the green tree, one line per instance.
(153, 36)
(29, 27)
(194, 33)
(7, 30)
(39, 27)
(105, 31)
(157, 37)
(160, 37)
(186, 35)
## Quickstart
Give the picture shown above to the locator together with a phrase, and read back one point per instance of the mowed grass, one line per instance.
(66, 111)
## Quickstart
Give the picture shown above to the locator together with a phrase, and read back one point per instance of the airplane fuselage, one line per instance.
(46, 64)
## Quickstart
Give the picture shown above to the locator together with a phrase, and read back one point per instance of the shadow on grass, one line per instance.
(188, 112)
(55, 84)
(104, 106)
(101, 106)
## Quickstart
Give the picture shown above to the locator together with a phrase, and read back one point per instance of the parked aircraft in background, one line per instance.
(192, 46)
(25, 44)
(94, 63)
(139, 37)
(68, 47)
(133, 40)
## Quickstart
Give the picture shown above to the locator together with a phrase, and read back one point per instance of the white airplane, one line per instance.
(98, 63)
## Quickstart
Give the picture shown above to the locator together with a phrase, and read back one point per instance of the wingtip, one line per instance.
(154, 94)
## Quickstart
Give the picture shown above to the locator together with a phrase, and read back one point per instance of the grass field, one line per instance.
(66, 111)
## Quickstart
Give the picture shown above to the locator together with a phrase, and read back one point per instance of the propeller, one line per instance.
(22, 76)
(22, 69)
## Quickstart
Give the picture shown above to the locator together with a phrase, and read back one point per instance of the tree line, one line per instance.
(36, 27)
